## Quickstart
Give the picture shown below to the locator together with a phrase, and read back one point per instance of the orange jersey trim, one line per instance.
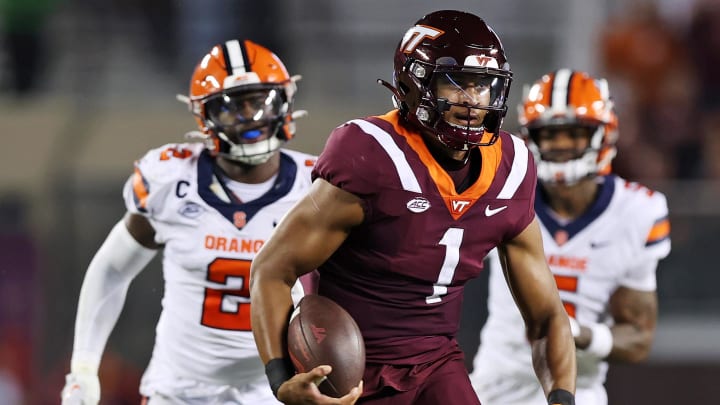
(491, 157)
(659, 231)
(140, 189)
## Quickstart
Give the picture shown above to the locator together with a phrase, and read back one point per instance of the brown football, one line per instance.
(322, 332)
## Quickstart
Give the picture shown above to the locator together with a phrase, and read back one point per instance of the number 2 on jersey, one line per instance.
(175, 152)
(452, 240)
(213, 313)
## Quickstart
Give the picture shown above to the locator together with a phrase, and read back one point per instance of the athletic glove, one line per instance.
(81, 389)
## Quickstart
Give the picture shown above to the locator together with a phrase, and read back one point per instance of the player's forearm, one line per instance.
(270, 311)
(623, 342)
(631, 337)
(554, 355)
(630, 343)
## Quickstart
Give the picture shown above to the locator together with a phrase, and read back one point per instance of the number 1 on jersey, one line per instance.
(452, 240)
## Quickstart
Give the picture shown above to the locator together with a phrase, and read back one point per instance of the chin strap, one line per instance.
(395, 92)
(390, 87)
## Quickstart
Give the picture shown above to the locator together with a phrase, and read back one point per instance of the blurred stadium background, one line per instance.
(88, 87)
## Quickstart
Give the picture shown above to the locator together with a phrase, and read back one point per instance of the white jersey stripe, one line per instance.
(407, 177)
(560, 89)
(517, 171)
(235, 57)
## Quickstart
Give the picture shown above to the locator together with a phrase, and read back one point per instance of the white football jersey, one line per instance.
(210, 237)
(618, 242)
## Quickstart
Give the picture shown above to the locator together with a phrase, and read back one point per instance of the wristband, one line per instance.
(574, 326)
(278, 370)
(601, 342)
(79, 364)
(561, 397)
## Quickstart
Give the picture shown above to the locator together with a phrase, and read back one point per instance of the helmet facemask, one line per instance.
(242, 98)
(248, 122)
(462, 106)
(570, 165)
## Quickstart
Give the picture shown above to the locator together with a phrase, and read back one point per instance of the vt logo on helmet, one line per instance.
(451, 78)
(242, 98)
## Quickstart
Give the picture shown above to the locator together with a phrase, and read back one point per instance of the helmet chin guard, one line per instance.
(250, 153)
(571, 171)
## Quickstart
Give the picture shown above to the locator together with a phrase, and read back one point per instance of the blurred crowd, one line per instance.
(662, 72)
(660, 67)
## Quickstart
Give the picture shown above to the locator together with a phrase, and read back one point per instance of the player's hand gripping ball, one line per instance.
(322, 332)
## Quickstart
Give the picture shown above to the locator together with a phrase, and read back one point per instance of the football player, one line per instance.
(403, 209)
(209, 206)
(603, 238)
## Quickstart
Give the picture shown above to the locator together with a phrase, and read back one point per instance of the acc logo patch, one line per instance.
(191, 210)
(418, 204)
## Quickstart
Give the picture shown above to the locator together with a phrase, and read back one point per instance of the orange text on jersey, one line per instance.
(568, 262)
(224, 244)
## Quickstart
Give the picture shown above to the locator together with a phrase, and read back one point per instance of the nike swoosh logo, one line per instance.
(492, 211)
(598, 245)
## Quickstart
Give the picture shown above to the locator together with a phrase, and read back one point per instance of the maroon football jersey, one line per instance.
(400, 274)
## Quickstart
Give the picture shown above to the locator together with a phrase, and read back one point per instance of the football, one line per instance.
(322, 332)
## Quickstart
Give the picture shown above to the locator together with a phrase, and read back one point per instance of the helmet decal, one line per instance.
(237, 66)
(414, 35)
(481, 61)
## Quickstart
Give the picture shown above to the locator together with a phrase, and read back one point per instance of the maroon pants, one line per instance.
(444, 381)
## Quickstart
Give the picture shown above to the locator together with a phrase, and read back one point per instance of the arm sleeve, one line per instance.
(653, 242)
(102, 296)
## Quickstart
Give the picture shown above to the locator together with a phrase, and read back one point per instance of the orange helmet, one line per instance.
(242, 98)
(567, 99)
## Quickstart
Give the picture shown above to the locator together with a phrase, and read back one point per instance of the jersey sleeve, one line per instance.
(523, 169)
(349, 161)
(305, 163)
(153, 178)
(653, 236)
(654, 227)
(641, 276)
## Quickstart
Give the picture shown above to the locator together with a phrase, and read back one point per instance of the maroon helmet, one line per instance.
(452, 48)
